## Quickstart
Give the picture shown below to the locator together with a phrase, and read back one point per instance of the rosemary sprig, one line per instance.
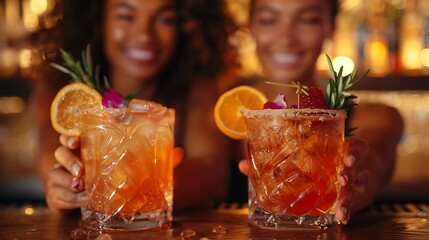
(82, 71)
(338, 95)
(337, 91)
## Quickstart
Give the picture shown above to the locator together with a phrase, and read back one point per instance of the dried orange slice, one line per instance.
(69, 104)
(227, 111)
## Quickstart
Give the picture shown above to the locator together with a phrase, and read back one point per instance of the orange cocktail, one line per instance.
(295, 156)
(127, 154)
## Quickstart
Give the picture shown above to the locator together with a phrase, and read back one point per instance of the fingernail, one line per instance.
(350, 159)
(71, 142)
(343, 180)
(76, 169)
(75, 183)
(346, 213)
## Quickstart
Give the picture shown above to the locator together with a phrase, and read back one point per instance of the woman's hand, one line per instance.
(351, 179)
(65, 186)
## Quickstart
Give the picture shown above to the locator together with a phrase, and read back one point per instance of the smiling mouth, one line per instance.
(140, 55)
(285, 58)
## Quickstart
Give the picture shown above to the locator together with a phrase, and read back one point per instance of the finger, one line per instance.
(343, 212)
(243, 166)
(60, 177)
(343, 179)
(70, 161)
(347, 176)
(357, 148)
(70, 142)
(59, 198)
(349, 160)
(178, 154)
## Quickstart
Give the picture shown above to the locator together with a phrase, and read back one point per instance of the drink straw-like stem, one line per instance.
(299, 88)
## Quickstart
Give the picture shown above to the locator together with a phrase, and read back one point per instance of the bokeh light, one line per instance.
(39, 7)
(345, 62)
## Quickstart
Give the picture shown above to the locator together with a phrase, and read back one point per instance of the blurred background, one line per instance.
(391, 37)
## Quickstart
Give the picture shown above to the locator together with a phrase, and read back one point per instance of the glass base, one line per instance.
(265, 220)
(159, 219)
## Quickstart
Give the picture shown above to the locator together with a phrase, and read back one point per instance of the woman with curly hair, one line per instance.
(170, 49)
(289, 36)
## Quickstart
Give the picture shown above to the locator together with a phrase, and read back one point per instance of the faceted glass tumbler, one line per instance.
(295, 156)
(128, 160)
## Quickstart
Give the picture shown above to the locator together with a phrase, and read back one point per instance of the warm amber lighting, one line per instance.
(25, 58)
(410, 54)
(399, 4)
(424, 57)
(29, 211)
(345, 62)
(425, 146)
(50, 21)
(378, 50)
(321, 64)
(10, 105)
(39, 7)
(344, 42)
(12, 12)
(8, 61)
(239, 11)
(349, 5)
(31, 21)
(411, 40)
(247, 51)
(377, 54)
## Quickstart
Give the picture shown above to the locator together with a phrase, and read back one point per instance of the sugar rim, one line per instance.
(126, 110)
(291, 113)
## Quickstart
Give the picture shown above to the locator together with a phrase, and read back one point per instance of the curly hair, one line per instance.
(333, 4)
(203, 30)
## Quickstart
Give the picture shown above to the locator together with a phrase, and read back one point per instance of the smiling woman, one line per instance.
(285, 48)
(172, 52)
(140, 40)
(289, 36)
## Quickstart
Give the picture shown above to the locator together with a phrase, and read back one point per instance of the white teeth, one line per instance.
(284, 57)
(140, 54)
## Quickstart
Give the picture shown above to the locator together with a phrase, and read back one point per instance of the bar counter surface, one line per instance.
(229, 221)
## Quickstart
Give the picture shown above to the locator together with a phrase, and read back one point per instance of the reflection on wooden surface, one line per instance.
(388, 221)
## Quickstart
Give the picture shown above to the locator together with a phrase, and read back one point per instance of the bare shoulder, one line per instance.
(379, 118)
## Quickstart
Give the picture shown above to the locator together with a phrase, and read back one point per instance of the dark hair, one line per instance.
(334, 10)
(333, 5)
(204, 50)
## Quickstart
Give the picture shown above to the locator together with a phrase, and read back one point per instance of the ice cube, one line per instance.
(188, 233)
(219, 230)
(77, 234)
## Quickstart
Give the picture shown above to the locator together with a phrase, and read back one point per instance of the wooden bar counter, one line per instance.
(229, 221)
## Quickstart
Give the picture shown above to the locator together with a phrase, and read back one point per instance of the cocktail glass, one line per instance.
(127, 155)
(295, 156)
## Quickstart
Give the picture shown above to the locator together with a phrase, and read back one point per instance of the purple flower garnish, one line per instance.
(112, 99)
(278, 103)
(272, 105)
